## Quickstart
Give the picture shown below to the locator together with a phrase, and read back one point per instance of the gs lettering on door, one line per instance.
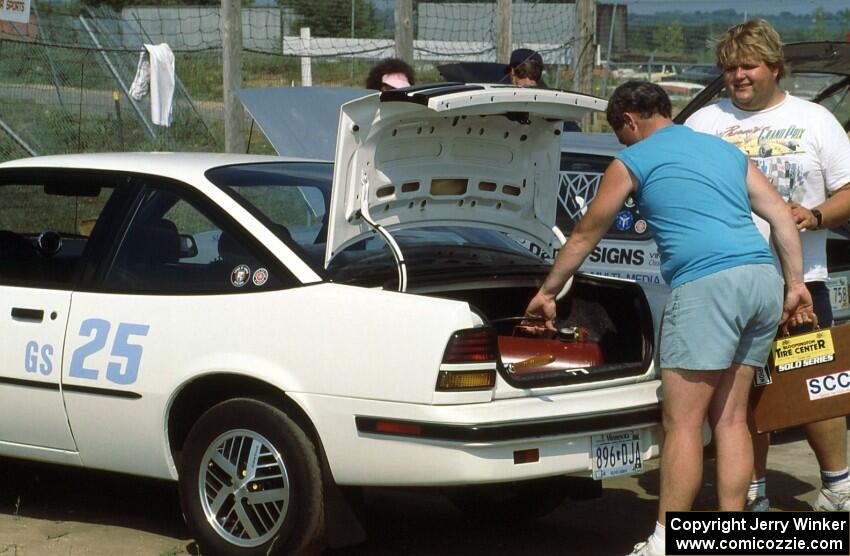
(38, 358)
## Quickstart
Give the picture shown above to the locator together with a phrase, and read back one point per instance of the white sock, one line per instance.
(657, 538)
(836, 481)
(758, 489)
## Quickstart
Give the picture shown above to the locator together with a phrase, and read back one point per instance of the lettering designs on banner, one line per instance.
(772, 150)
(804, 350)
(636, 276)
(617, 255)
(15, 10)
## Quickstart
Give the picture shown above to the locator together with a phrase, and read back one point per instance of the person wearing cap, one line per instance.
(525, 68)
(389, 74)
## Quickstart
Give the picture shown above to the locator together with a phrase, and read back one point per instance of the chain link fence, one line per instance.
(66, 73)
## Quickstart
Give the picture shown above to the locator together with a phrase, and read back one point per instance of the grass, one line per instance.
(88, 121)
(49, 129)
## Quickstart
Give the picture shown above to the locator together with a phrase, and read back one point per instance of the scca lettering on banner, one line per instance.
(827, 386)
(617, 255)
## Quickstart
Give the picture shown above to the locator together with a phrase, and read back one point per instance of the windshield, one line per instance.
(292, 199)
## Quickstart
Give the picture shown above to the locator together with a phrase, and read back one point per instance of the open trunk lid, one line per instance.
(453, 155)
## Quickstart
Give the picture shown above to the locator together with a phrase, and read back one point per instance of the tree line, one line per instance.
(671, 34)
(674, 34)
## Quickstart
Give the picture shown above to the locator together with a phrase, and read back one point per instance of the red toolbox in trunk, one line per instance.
(523, 355)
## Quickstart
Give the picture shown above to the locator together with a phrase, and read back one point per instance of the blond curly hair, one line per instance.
(755, 39)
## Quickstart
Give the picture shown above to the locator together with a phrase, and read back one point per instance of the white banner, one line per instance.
(15, 10)
(827, 386)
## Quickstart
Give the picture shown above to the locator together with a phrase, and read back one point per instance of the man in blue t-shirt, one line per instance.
(697, 193)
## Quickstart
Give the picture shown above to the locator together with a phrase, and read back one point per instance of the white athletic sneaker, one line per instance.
(757, 504)
(645, 548)
(829, 501)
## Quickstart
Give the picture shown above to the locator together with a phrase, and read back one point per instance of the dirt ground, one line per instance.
(56, 511)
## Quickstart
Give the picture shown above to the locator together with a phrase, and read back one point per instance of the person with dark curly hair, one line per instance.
(390, 73)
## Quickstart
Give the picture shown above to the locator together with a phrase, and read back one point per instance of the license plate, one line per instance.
(838, 293)
(615, 454)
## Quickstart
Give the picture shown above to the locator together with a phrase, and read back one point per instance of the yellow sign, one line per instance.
(814, 346)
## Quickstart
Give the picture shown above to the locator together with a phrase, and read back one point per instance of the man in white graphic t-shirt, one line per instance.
(805, 153)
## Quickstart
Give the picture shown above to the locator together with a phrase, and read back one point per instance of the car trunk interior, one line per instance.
(604, 332)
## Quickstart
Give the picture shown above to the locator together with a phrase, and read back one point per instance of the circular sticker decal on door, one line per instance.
(240, 276)
(261, 276)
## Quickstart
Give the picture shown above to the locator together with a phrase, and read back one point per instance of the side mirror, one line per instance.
(188, 247)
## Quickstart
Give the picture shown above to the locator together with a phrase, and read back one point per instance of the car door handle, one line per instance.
(35, 315)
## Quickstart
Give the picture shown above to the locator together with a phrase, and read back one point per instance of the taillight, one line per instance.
(466, 380)
(472, 345)
(469, 346)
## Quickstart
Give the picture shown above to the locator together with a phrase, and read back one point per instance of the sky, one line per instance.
(766, 7)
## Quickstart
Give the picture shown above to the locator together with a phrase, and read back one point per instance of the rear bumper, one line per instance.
(511, 431)
(475, 443)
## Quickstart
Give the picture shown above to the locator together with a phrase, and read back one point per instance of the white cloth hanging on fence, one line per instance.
(155, 71)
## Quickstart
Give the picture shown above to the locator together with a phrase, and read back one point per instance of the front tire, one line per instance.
(250, 482)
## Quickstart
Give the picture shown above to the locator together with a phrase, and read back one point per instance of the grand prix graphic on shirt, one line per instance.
(773, 150)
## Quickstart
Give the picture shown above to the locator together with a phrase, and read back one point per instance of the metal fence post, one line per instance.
(608, 54)
(231, 38)
(584, 51)
(504, 32)
(306, 62)
(404, 30)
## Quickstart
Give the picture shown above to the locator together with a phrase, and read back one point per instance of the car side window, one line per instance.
(44, 229)
(171, 246)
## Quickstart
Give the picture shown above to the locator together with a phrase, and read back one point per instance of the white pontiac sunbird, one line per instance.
(265, 330)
